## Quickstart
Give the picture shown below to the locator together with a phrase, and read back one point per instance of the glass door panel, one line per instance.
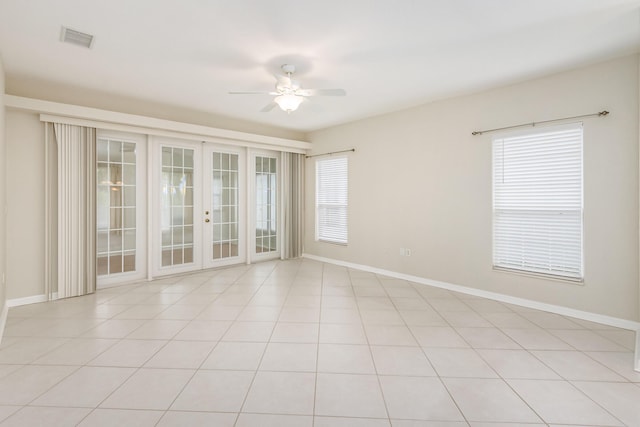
(266, 206)
(116, 177)
(119, 207)
(176, 203)
(224, 212)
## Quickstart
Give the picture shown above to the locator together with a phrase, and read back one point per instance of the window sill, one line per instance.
(332, 242)
(533, 274)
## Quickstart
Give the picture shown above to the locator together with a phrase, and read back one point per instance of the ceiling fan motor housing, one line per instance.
(289, 87)
(288, 68)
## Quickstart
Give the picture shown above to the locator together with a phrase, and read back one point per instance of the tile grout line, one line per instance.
(315, 382)
(255, 374)
(78, 368)
(530, 352)
(425, 299)
(135, 371)
(196, 370)
(364, 330)
(290, 290)
(504, 381)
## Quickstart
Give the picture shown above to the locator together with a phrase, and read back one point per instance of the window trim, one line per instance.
(318, 234)
(551, 275)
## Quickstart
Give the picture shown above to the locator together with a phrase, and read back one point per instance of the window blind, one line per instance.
(537, 202)
(331, 199)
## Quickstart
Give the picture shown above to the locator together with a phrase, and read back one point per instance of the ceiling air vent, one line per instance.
(76, 37)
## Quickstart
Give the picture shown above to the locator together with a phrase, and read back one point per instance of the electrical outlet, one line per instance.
(407, 252)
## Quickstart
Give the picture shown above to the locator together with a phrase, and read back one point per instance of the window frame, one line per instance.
(549, 272)
(319, 235)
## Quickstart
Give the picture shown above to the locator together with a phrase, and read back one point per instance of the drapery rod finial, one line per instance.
(599, 114)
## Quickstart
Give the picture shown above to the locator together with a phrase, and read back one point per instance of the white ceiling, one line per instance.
(387, 54)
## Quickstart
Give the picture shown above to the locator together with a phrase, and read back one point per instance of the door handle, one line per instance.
(206, 220)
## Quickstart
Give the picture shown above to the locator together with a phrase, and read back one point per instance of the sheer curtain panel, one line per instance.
(51, 209)
(293, 204)
(76, 210)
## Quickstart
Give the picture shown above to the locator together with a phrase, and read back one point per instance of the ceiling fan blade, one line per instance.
(321, 92)
(270, 106)
(254, 93)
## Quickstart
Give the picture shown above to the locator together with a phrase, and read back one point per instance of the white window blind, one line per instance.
(537, 202)
(331, 199)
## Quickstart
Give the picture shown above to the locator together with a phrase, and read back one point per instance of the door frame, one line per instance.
(148, 216)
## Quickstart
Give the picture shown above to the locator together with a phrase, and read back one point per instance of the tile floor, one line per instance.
(302, 343)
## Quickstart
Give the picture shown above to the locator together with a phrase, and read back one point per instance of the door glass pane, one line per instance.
(128, 261)
(224, 201)
(129, 219)
(116, 206)
(266, 204)
(188, 160)
(177, 206)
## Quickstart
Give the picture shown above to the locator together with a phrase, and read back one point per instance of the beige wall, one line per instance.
(25, 205)
(419, 180)
(3, 241)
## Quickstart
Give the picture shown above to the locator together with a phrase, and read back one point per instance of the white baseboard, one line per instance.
(557, 309)
(3, 319)
(15, 302)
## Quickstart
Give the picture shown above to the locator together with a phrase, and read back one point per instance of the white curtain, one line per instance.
(71, 225)
(293, 205)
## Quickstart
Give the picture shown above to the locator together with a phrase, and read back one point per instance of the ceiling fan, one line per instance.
(289, 94)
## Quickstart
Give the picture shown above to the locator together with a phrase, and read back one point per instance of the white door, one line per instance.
(224, 204)
(202, 216)
(177, 202)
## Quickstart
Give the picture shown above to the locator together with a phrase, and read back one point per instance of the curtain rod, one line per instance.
(599, 114)
(329, 154)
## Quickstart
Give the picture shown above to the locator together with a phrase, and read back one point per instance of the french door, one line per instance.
(224, 206)
(168, 206)
(176, 206)
(216, 205)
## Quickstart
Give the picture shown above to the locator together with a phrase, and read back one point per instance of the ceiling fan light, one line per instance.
(288, 103)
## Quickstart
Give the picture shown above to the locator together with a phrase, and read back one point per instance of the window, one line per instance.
(537, 202)
(331, 200)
